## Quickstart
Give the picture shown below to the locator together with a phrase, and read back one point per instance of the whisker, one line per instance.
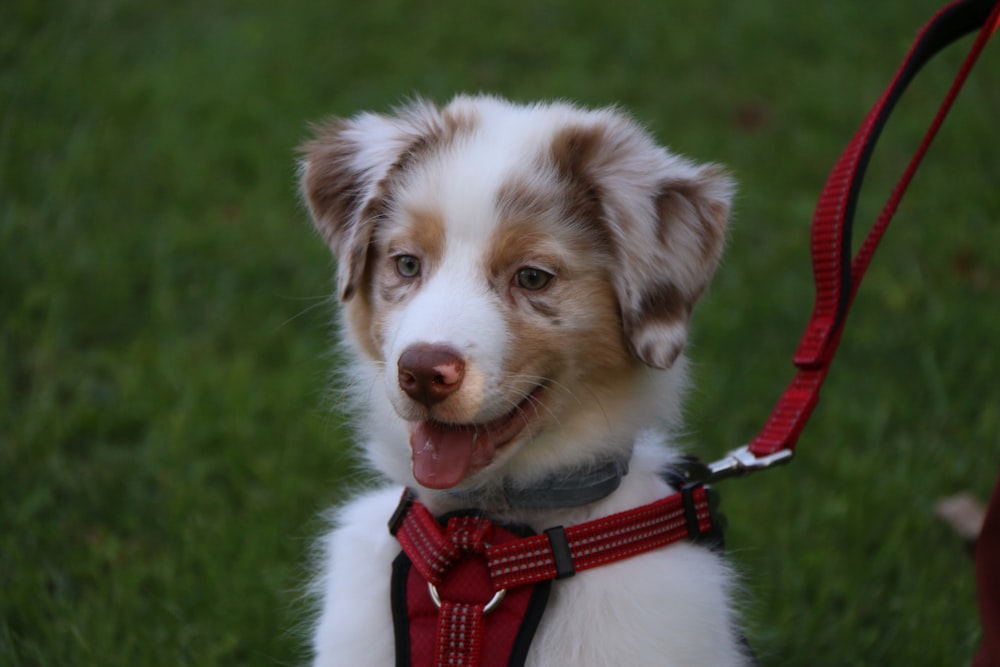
(320, 302)
(525, 397)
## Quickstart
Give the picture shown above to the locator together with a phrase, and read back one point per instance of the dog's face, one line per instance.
(517, 277)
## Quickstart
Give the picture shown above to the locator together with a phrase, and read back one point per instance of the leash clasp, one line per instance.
(742, 461)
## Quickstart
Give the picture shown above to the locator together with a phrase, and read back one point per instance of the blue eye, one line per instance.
(408, 266)
(532, 279)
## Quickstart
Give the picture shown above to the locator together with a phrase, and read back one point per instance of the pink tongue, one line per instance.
(441, 454)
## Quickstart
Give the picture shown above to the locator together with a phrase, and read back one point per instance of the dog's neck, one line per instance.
(562, 489)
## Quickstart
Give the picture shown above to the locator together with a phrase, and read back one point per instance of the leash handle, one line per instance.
(836, 274)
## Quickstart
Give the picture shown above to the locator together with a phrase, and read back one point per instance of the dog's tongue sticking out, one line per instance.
(443, 454)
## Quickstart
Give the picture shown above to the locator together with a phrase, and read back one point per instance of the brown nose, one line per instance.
(430, 373)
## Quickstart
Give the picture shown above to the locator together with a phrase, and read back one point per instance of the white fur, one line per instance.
(668, 607)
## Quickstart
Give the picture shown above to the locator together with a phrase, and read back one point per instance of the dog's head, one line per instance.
(521, 278)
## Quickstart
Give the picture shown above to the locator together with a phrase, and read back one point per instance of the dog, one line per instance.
(516, 284)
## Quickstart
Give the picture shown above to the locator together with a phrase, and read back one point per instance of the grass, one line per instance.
(165, 438)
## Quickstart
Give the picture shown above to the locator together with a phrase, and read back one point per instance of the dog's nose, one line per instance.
(430, 373)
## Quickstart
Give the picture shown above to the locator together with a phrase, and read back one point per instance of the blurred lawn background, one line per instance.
(166, 440)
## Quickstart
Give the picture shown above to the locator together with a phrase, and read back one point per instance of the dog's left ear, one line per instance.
(664, 217)
(344, 174)
(691, 212)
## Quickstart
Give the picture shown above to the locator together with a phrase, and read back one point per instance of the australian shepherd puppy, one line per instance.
(516, 284)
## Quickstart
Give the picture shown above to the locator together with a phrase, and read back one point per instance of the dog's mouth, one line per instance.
(445, 454)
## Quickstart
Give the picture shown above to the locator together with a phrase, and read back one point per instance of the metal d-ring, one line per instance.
(487, 608)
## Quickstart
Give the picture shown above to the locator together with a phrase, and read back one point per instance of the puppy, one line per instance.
(516, 284)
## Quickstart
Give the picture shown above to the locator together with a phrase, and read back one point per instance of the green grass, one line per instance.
(166, 443)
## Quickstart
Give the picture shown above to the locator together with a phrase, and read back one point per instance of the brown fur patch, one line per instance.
(582, 351)
(584, 354)
(361, 319)
(574, 148)
(524, 242)
(425, 230)
(333, 190)
(570, 332)
(357, 255)
(575, 152)
(420, 233)
(664, 303)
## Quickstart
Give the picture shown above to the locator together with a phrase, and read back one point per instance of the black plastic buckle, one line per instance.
(687, 469)
(714, 537)
(560, 552)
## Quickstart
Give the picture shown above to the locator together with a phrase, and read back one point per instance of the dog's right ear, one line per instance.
(345, 175)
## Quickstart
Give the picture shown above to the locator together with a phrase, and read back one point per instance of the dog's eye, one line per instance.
(408, 266)
(532, 279)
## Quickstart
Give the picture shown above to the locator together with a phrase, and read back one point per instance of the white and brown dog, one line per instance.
(516, 286)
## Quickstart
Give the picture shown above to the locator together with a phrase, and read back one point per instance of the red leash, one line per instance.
(837, 276)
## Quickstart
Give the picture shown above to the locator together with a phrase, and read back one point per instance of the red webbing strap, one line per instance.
(447, 593)
(435, 550)
(837, 276)
(600, 541)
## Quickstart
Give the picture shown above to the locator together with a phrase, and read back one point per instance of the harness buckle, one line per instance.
(742, 461)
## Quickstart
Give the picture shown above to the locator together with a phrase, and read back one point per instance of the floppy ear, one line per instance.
(345, 177)
(689, 230)
(665, 218)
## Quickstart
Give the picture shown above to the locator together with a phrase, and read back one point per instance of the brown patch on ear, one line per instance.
(333, 190)
(574, 148)
(664, 303)
(656, 331)
(691, 203)
(419, 147)
(576, 152)
(353, 253)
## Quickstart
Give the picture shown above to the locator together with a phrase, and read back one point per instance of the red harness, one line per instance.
(466, 581)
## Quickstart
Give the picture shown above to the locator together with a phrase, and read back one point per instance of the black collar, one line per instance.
(566, 488)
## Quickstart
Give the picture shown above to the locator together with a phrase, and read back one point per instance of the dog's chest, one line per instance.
(635, 612)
